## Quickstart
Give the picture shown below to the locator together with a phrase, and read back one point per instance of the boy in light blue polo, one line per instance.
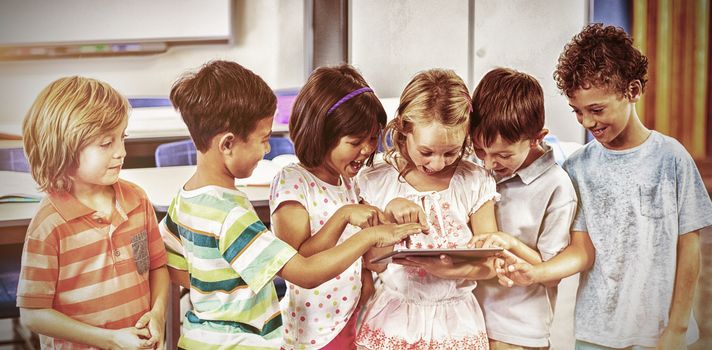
(537, 204)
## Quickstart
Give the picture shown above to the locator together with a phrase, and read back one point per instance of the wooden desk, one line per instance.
(160, 184)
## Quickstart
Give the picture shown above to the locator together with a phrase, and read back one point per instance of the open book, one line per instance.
(18, 187)
(266, 170)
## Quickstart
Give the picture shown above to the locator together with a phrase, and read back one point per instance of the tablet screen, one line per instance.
(457, 253)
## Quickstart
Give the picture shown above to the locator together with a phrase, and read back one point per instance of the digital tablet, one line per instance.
(456, 253)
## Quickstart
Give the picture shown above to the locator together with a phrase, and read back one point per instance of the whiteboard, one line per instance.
(47, 22)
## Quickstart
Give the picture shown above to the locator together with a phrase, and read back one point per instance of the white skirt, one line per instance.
(394, 322)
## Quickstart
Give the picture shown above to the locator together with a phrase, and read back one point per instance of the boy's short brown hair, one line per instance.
(316, 132)
(507, 103)
(65, 117)
(221, 96)
(601, 56)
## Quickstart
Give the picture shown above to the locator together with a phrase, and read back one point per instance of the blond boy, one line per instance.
(93, 264)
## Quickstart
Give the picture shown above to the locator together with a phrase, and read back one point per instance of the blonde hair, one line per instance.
(435, 95)
(65, 117)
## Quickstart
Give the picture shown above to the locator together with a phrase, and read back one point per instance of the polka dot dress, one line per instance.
(313, 317)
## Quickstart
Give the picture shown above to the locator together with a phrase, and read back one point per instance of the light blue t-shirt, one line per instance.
(634, 204)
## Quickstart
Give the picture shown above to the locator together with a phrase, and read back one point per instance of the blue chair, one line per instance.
(184, 152)
(176, 153)
(9, 278)
(13, 159)
(279, 145)
(389, 142)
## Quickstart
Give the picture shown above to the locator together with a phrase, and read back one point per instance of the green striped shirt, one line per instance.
(231, 257)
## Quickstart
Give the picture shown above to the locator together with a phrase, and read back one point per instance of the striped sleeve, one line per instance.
(40, 262)
(254, 252)
(156, 248)
(171, 240)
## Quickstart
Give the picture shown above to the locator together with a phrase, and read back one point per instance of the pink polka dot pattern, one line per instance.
(312, 317)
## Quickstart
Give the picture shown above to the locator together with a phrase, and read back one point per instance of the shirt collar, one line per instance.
(535, 169)
(70, 208)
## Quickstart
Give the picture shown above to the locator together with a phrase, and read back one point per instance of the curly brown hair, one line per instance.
(601, 56)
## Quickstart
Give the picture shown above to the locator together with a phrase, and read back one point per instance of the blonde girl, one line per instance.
(426, 179)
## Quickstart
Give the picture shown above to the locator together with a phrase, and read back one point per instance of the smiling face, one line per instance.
(504, 158)
(247, 153)
(101, 160)
(610, 117)
(347, 157)
(433, 147)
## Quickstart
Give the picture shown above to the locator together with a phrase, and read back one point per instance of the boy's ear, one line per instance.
(635, 89)
(539, 137)
(226, 142)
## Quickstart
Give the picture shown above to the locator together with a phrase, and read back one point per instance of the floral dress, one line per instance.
(313, 317)
(411, 308)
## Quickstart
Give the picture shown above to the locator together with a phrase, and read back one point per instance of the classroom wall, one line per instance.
(268, 39)
(391, 41)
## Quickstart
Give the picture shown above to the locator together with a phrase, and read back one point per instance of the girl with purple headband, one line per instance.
(335, 124)
(425, 179)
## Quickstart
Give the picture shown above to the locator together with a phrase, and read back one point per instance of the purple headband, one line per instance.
(349, 96)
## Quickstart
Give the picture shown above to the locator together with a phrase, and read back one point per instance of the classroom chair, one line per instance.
(389, 143)
(176, 153)
(13, 159)
(9, 277)
(279, 145)
(184, 152)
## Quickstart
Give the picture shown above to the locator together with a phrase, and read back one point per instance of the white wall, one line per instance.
(529, 36)
(391, 41)
(268, 40)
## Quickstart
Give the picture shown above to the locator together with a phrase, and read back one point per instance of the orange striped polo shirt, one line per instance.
(92, 269)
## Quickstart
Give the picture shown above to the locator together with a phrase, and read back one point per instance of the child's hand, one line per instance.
(363, 215)
(131, 338)
(155, 325)
(492, 240)
(404, 211)
(513, 270)
(390, 234)
(671, 340)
